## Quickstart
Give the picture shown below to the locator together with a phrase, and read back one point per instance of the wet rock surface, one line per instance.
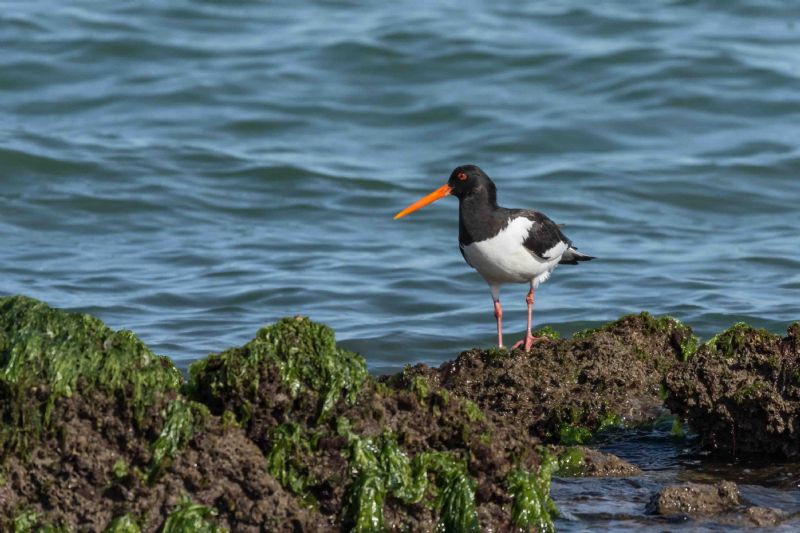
(603, 464)
(95, 432)
(290, 433)
(721, 501)
(565, 390)
(759, 517)
(741, 392)
(696, 499)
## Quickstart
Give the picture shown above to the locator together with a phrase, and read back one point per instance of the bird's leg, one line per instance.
(527, 342)
(498, 314)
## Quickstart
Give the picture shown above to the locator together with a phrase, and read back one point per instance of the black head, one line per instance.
(467, 180)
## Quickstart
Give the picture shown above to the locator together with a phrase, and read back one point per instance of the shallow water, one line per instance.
(194, 171)
(619, 504)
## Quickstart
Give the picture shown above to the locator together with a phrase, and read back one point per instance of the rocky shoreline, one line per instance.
(290, 433)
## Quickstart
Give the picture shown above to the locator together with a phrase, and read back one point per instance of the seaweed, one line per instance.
(27, 521)
(733, 341)
(532, 507)
(189, 516)
(47, 354)
(570, 461)
(287, 458)
(182, 418)
(382, 468)
(306, 356)
(123, 524)
(546, 331)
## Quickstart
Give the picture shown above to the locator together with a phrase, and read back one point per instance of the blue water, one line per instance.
(193, 171)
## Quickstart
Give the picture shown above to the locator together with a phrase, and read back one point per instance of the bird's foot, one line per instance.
(526, 343)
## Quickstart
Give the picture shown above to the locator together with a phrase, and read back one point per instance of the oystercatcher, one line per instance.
(503, 245)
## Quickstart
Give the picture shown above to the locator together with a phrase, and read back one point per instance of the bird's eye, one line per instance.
(462, 176)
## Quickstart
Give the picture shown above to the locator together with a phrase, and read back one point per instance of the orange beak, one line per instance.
(438, 194)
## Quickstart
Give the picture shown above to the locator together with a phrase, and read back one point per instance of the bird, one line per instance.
(503, 245)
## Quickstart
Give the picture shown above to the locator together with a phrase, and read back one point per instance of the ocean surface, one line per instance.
(195, 170)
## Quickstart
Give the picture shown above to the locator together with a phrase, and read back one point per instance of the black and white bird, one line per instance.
(503, 245)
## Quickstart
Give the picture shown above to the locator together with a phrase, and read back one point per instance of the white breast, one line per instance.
(504, 259)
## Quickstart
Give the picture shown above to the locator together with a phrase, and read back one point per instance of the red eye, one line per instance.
(462, 176)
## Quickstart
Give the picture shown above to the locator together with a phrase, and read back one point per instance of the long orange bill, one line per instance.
(439, 193)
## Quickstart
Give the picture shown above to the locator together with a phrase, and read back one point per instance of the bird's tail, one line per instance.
(572, 256)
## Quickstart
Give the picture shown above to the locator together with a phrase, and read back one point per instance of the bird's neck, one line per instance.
(476, 213)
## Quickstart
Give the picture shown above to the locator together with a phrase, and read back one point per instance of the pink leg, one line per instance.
(498, 314)
(527, 342)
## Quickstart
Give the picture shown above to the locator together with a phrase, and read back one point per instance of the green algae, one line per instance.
(287, 458)
(676, 431)
(182, 419)
(189, 517)
(27, 521)
(570, 461)
(382, 469)
(307, 359)
(609, 420)
(471, 411)
(229, 420)
(748, 391)
(456, 499)
(572, 434)
(574, 429)
(732, 342)
(123, 524)
(120, 470)
(419, 386)
(47, 354)
(547, 331)
(531, 507)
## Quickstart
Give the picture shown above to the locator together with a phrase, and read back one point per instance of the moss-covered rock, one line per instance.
(740, 392)
(399, 453)
(96, 436)
(47, 355)
(296, 354)
(566, 390)
(289, 432)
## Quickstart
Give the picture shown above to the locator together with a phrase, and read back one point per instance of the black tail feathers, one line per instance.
(572, 256)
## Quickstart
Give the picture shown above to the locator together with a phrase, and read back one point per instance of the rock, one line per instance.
(741, 392)
(565, 390)
(761, 517)
(369, 453)
(721, 502)
(289, 432)
(111, 443)
(285, 433)
(602, 464)
(695, 499)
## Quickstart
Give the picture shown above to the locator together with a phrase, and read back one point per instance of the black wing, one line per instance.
(544, 237)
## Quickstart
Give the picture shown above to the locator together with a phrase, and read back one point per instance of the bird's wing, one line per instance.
(544, 239)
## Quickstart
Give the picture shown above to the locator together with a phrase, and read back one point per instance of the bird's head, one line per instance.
(468, 179)
(464, 181)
